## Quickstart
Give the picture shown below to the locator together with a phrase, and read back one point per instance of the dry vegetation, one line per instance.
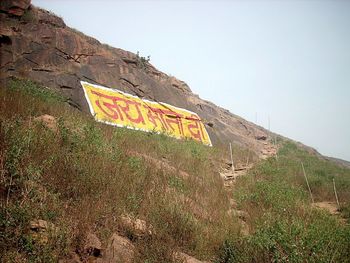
(85, 176)
(285, 227)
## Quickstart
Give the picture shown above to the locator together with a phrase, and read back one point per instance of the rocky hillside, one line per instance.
(73, 190)
(37, 45)
(339, 161)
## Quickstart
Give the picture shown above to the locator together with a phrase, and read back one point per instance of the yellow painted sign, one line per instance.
(120, 109)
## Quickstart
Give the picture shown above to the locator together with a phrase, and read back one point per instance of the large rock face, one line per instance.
(14, 7)
(39, 46)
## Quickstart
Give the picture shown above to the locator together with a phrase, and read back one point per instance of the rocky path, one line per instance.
(268, 150)
(328, 206)
(332, 208)
(229, 177)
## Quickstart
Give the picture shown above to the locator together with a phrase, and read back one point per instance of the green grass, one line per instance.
(86, 175)
(284, 227)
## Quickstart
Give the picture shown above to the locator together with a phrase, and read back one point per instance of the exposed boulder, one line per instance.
(119, 250)
(41, 225)
(137, 226)
(92, 245)
(41, 230)
(261, 137)
(71, 258)
(48, 121)
(187, 258)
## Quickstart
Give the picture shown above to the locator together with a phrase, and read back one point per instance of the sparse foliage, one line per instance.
(86, 175)
(142, 61)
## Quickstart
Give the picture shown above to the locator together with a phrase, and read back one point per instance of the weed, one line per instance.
(227, 253)
(286, 228)
(178, 184)
(85, 176)
(134, 163)
(34, 90)
(142, 61)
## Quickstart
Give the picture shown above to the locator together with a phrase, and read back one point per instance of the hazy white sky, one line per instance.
(289, 60)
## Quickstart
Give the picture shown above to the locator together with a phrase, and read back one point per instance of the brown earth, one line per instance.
(37, 45)
(331, 207)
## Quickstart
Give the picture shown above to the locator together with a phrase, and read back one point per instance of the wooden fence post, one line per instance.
(233, 167)
(336, 195)
(248, 156)
(307, 182)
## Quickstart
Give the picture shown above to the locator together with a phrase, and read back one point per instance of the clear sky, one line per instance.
(284, 60)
